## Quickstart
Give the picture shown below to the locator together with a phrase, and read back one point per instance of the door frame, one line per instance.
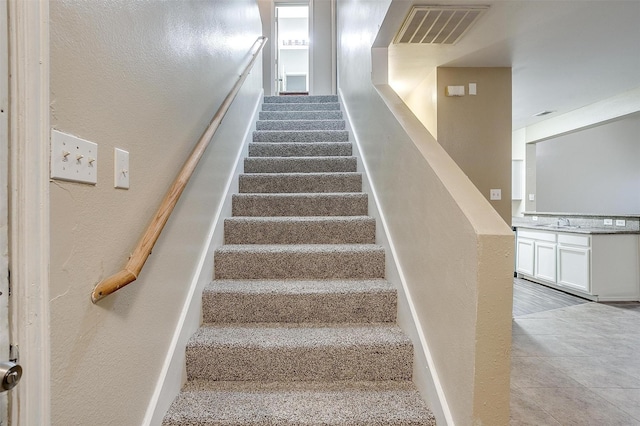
(29, 207)
(274, 38)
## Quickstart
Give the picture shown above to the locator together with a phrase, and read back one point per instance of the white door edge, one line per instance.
(5, 340)
(29, 212)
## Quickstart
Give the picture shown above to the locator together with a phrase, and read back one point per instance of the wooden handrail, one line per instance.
(145, 245)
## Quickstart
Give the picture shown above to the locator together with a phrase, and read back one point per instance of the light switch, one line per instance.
(121, 169)
(495, 194)
(608, 222)
(73, 159)
(473, 89)
(532, 197)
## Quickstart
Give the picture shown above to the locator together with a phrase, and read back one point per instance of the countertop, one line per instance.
(576, 229)
(589, 215)
(578, 223)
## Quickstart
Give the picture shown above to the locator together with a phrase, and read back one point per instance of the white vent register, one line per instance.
(438, 24)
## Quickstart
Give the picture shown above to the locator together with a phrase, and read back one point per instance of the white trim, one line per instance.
(424, 347)
(312, 49)
(334, 51)
(189, 319)
(5, 340)
(29, 142)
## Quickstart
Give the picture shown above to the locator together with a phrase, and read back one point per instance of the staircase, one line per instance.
(299, 323)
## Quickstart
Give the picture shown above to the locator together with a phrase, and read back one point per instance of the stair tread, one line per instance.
(342, 403)
(301, 219)
(298, 149)
(299, 286)
(299, 248)
(299, 230)
(309, 175)
(284, 136)
(299, 335)
(316, 164)
(301, 115)
(301, 99)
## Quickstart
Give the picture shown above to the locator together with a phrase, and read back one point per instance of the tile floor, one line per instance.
(576, 365)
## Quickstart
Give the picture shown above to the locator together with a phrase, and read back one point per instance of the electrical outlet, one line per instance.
(608, 222)
(534, 218)
(73, 159)
(621, 222)
(495, 194)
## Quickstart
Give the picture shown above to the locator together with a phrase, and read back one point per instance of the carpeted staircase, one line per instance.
(299, 323)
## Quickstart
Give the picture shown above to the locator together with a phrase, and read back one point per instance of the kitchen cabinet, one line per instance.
(574, 261)
(602, 267)
(545, 261)
(524, 256)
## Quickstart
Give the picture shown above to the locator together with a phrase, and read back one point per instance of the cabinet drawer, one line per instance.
(536, 235)
(574, 240)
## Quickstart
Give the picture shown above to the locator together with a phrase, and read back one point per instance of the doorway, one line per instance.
(292, 48)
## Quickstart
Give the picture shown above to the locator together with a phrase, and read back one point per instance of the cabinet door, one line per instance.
(545, 261)
(524, 256)
(574, 268)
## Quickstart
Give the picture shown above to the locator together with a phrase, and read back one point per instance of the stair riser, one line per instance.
(299, 308)
(300, 149)
(362, 231)
(300, 165)
(327, 106)
(251, 264)
(300, 183)
(301, 99)
(281, 205)
(305, 363)
(300, 115)
(294, 125)
(277, 136)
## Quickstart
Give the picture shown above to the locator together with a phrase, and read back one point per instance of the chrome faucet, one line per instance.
(563, 221)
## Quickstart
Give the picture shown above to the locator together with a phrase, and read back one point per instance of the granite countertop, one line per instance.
(577, 229)
(579, 223)
(589, 215)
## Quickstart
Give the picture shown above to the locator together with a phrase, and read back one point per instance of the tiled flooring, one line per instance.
(575, 365)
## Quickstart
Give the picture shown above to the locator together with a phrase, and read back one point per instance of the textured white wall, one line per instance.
(455, 252)
(146, 77)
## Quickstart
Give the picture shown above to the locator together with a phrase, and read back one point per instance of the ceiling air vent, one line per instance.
(438, 24)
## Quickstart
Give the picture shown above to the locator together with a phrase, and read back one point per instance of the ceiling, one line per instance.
(565, 54)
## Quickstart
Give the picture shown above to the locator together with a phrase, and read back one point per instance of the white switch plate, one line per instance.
(621, 222)
(532, 197)
(73, 159)
(495, 194)
(608, 222)
(454, 91)
(121, 169)
(534, 218)
(473, 89)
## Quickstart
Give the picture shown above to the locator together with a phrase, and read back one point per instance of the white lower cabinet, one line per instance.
(524, 256)
(604, 267)
(545, 261)
(574, 262)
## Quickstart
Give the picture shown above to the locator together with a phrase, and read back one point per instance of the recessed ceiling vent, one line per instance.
(438, 24)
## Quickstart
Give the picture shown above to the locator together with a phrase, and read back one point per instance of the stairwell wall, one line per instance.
(454, 253)
(146, 77)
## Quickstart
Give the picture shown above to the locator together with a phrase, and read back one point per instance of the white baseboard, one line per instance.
(425, 376)
(173, 373)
